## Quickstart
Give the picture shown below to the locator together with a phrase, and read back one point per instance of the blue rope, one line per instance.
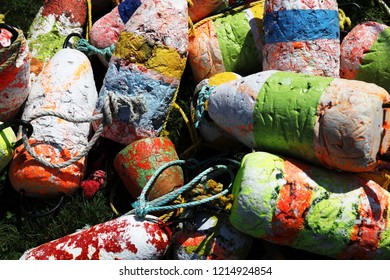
(143, 207)
(203, 96)
(84, 46)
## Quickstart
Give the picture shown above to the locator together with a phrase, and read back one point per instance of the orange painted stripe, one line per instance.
(292, 205)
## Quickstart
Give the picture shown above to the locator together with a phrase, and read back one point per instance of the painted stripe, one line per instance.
(285, 114)
(235, 38)
(254, 16)
(300, 25)
(127, 8)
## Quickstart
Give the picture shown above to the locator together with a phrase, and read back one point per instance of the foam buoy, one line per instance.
(55, 20)
(330, 213)
(14, 71)
(302, 36)
(65, 86)
(137, 163)
(210, 237)
(124, 238)
(145, 70)
(365, 54)
(334, 122)
(209, 131)
(227, 42)
(106, 30)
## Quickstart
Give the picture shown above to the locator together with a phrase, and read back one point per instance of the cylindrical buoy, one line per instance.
(124, 238)
(14, 71)
(106, 30)
(335, 122)
(330, 213)
(302, 36)
(227, 42)
(138, 162)
(65, 86)
(365, 54)
(53, 23)
(210, 236)
(209, 131)
(7, 139)
(145, 70)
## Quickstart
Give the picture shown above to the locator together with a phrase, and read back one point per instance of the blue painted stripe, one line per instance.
(300, 25)
(127, 8)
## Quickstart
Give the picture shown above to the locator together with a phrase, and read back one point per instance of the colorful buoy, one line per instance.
(210, 237)
(209, 131)
(145, 70)
(227, 42)
(302, 36)
(330, 213)
(65, 86)
(7, 139)
(53, 23)
(138, 162)
(365, 54)
(14, 71)
(125, 238)
(335, 122)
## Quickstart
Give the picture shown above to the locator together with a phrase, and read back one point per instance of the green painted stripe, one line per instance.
(238, 48)
(375, 67)
(286, 112)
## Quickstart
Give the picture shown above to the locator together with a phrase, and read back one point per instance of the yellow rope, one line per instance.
(190, 3)
(89, 19)
(344, 20)
(2, 18)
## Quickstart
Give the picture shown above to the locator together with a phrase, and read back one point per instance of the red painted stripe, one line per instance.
(294, 200)
(366, 235)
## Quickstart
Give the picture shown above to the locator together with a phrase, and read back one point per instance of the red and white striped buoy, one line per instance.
(14, 71)
(65, 86)
(125, 238)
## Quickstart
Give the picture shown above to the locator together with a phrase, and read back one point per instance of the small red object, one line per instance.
(5, 38)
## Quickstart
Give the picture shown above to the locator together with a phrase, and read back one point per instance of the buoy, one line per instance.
(227, 42)
(106, 30)
(65, 86)
(55, 20)
(210, 236)
(334, 122)
(124, 238)
(209, 131)
(330, 213)
(302, 36)
(138, 162)
(365, 54)
(14, 71)
(145, 70)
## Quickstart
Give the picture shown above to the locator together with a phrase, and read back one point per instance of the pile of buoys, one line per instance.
(299, 124)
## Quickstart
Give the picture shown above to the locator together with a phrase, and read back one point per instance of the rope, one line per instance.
(204, 95)
(384, 6)
(89, 23)
(190, 3)
(84, 46)
(2, 18)
(143, 207)
(14, 48)
(344, 20)
(111, 103)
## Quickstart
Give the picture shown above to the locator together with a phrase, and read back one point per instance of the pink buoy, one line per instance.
(125, 238)
(14, 71)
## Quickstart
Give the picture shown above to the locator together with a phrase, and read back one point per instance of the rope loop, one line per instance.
(203, 97)
(143, 207)
(84, 46)
(26, 125)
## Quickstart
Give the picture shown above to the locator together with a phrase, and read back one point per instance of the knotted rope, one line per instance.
(142, 207)
(201, 106)
(14, 49)
(84, 46)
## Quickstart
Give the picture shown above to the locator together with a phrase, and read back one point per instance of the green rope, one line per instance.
(84, 46)
(143, 207)
(203, 96)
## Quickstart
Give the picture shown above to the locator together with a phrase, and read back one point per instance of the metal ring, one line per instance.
(66, 41)
(16, 122)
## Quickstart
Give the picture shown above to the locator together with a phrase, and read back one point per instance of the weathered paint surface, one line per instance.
(302, 36)
(200, 9)
(138, 162)
(53, 23)
(66, 85)
(365, 55)
(306, 207)
(146, 66)
(228, 42)
(330, 121)
(211, 237)
(14, 78)
(124, 238)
